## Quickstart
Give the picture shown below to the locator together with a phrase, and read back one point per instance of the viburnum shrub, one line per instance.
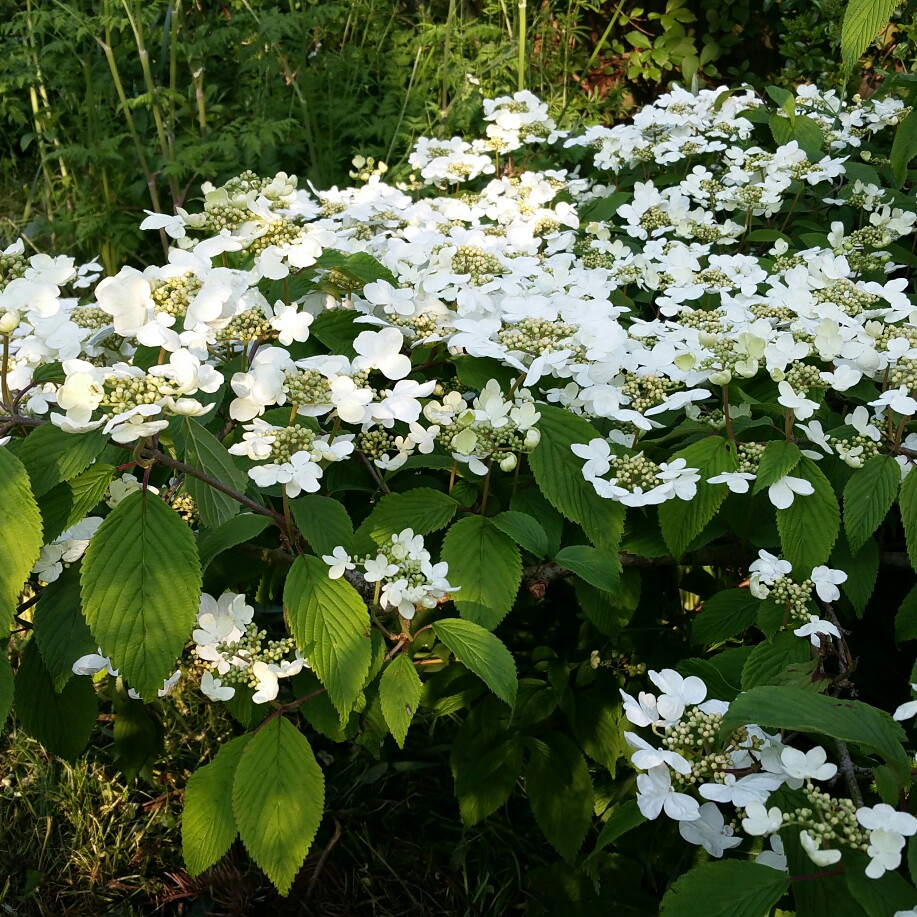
(327, 464)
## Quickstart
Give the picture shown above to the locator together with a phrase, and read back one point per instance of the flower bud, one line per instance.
(532, 438)
(508, 463)
(9, 322)
(721, 377)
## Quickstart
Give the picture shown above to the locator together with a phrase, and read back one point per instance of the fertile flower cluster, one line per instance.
(402, 572)
(744, 770)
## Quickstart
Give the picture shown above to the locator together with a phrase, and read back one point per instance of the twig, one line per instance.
(847, 769)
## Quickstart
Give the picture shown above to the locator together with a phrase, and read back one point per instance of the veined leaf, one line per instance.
(50, 455)
(323, 521)
(278, 798)
(809, 526)
(560, 792)
(70, 501)
(524, 529)
(236, 531)
(399, 691)
(863, 20)
(682, 521)
(599, 568)
(482, 653)
(208, 827)
(20, 534)
(206, 453)
(330, 623)
(904, 147)
(486, 566)
(559, 475)
(907, 501)
(891, 893)
(729, 888)
(862, 571)
(778, 460)
(781, 707)
(141, 586)
(724, 615)
(906, 618)
(63, 721)
(868, 497)
(423, 509)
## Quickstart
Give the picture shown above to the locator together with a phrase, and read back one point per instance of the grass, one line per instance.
(77, 840)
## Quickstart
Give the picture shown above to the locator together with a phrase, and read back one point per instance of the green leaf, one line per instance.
(863, 20)
(724, 615)
(330, 623)
(399, 690)
(20, 534)
(682, 521)
(71, 501)
(278, 797)
(560, 792)
(801, 128)
(862, 571)
(729, 888)
(51, 456)
(6, 689)
(208, 827)
(907, 501)
(868, 496)
(476, 372)
(59, 628)
(206, 453)
(904, 147)
(525, 530)
(777, 461)
(559, 474)
(809, 527)
(359, 267)
(63, 721)
(424, 510)
(237, 531)
(323, 521)
(906, 618)
(718, 684)
(780, 707)
(784, 659)
(604, 610)
(624, 818)
(482, 653)
(599, 568)
(141, 586)
(138, 737)
(889, 894)
(486, 566)
(596, 725)
(486, 761)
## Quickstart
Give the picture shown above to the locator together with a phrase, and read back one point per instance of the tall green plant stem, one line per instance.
(520, 60)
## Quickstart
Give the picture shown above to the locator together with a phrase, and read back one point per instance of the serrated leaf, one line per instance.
(6, 689)
(63, 721)
(891, 893)
(682, 521)
(236, 531)
(729, 888)
(777, 461)
(399, 691)
(486, 566)
(330, 623)
(20, 534)
(809, 527)
(599, 568)
(59, 628)
(596, 725)
(624, 818)
(208, 827)
(560, 792)
(784, 659)
(906, 618)
(863, 20)
(71, 501)
(781, 707)
(559, 475)
(904, 147)
(724, 615)
(423, 509)
(51, 456)
(862, 571)
(718, 684)
(141, 586)
(323, 521)
(524, 529)
(278, 798)
(206, 453)
(482, 653)
(868, 496)
(907, 501)
(138, 736)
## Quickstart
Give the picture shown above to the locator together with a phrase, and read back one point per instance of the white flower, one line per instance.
(268, 684)
(818, 856)
(709, 831)
(884, 850)
(642, 711)
(382, 350)
(646, 757)
(752, 788)
(815, 627)
(93, 663)
(215, 689)
(655, 794)
(379, 569)
(597, 454)
(775, 858)
(770, 568)
(339, 561)
(808, 765)
(759, 820)
(898, 400)
(801, 406)
(678, 692)
(884, 816)
(783, 492)
(826, 582)
(737, 481)
(906, 711)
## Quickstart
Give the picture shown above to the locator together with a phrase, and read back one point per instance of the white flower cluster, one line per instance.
(404, 577)
(743, 771)
(66, 549)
